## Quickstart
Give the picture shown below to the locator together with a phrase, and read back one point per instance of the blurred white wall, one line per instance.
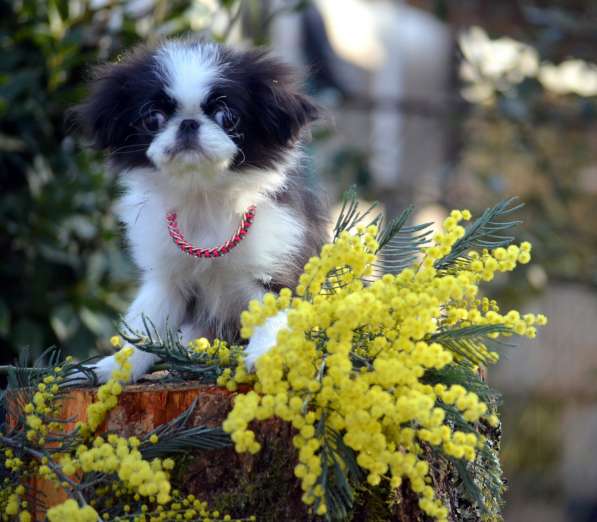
(393, 58)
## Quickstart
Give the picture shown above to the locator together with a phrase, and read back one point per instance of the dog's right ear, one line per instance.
(98, 117)
(105, 116)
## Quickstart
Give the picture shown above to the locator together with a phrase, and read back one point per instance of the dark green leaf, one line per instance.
(350, 215)
(485, 232)
(472, 342)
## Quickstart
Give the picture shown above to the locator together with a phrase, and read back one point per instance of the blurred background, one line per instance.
(438, 103)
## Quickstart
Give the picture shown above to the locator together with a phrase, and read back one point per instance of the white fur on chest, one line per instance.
(208, 221)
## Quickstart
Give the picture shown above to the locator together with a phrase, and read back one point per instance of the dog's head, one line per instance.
(184, 105)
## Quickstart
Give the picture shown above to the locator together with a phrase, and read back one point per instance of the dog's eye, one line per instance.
(226, 118)
(154, 121)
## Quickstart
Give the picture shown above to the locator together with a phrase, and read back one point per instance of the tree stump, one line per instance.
(263, 485)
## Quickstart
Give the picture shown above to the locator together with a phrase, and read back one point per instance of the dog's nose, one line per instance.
(189, 125)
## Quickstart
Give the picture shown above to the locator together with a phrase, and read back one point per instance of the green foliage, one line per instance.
(463, 374)
(479, 483)
(63, 270)
(64, 276)
(536, 140)
(487, 231)
(472, 342)
(400, 245)
(351, 215)
(341, 473)
(181, 363)
(176, 438)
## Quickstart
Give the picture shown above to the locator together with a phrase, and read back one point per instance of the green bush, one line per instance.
(64, 275)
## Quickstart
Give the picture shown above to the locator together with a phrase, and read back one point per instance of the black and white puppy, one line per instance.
(206, 132)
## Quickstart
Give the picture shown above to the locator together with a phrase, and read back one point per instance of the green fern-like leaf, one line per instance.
(350, 215)
(188, 439)
(387, 232)
(340, 473)
(399, 244)
(489, 477)
(485, 232)
(480, 482)
(472, 343)
(465, 376)
(181, 362)
(175, 437)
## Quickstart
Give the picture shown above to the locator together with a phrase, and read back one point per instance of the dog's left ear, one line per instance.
(290, 113)
(284, 112)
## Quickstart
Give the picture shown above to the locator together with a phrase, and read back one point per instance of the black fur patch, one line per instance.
(121, 95)
(264, 91)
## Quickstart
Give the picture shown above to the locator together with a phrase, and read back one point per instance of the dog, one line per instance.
(216, 203)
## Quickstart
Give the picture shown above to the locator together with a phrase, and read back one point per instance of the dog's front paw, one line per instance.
(264, 338)
(104, 368)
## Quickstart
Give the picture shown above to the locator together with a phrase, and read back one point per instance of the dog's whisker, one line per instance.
(132, 151)
(132, 146)
(240, 151)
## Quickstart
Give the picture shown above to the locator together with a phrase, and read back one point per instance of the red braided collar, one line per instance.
(188, 248)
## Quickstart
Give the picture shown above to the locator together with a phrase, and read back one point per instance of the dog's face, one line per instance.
(195, 108)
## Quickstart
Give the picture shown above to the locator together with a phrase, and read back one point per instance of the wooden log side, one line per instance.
(263, 485)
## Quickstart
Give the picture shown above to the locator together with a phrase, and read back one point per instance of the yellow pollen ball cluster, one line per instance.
(353, 357)
(42, 406)
(113, 455)
(121, 456)
(108, 393)
(140, 487)
(71, 511)
(217, 349)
